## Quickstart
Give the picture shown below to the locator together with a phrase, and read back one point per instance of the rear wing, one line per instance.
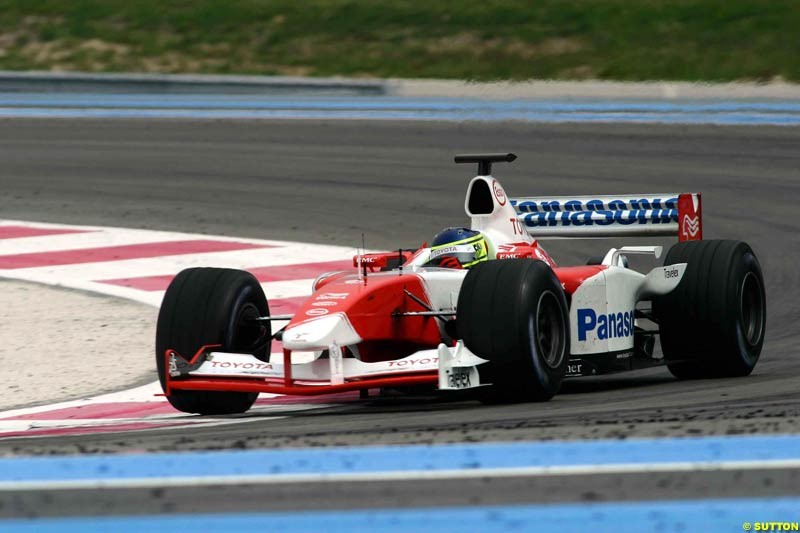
(612, 216)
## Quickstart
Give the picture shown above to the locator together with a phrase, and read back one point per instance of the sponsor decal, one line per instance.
(574, 369)
(445, 250)
(600, 218)
(333, 296)
(499, 193)
(241, 366)
(517, 226)
(513, 255)
(671, 273)
(317, 312)
(378, 260)
(458, 378)
(414, 362)
(625, 355)
(325, 303)
(595, 205)
(691, 225)
(610, 326)
(458, 248)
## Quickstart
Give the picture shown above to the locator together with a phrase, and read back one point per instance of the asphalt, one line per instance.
(331, 181)
(403, 494)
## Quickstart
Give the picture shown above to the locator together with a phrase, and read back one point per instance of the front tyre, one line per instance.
(205, 306)
(514, 313)
(713, 324)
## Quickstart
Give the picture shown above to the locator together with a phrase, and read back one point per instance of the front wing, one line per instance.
(448, 368)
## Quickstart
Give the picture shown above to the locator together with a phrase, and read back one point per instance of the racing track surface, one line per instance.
(326, 181)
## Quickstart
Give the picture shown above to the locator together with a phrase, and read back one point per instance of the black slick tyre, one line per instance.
(514, 313)
(713, 323)
(204, 306)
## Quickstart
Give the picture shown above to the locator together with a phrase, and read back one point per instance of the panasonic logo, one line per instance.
(610, 326)
(601, 218)
(597, 204)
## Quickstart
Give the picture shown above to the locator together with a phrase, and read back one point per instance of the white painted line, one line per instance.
(404, 475)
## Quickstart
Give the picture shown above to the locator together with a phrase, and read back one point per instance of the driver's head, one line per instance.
(458, 248)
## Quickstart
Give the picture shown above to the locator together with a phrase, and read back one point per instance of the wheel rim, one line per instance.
(248, 334)
(549, 336)
(751, 309)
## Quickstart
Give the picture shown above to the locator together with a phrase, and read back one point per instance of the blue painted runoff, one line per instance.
(400, 458)
(726, 119)
(221, 101)
(732, 112)
(709, 516)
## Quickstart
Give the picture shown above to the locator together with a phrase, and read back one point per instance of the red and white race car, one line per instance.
(512, 325)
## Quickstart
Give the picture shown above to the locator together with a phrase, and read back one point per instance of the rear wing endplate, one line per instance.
(612, 216)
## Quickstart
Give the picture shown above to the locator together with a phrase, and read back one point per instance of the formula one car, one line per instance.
(485, 308)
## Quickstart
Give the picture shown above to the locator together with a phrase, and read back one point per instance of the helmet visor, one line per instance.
(467, 252)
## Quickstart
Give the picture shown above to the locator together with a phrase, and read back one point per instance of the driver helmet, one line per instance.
(458, 248)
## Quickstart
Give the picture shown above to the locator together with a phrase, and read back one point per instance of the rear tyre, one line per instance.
(514, 314)
(712, 325)
(205, 306)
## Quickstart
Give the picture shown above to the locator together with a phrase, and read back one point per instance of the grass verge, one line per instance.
(716, 40)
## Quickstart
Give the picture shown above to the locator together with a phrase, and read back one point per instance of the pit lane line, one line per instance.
(400, 463)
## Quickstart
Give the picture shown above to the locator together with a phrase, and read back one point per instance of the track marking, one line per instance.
(715, 515)
(396, 463)
(119, 253)
(407, 475)
(730, 112)
(82, 237)
(263, 274)
(138, 265)
(8, 231)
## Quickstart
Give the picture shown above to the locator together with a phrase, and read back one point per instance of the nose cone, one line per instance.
(320, 333)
